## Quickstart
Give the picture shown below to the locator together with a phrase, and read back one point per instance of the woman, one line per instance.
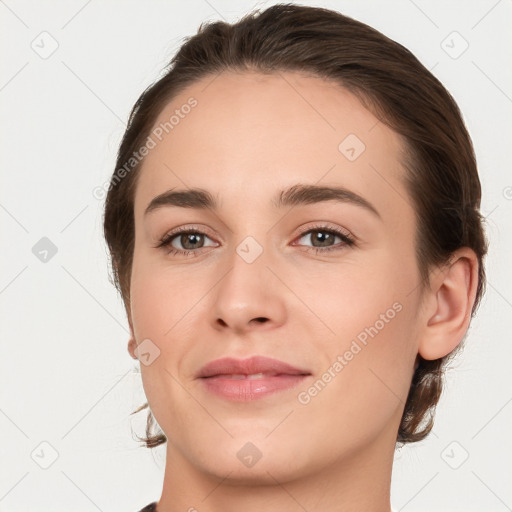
(294, 228)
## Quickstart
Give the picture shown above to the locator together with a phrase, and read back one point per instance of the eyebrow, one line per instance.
(296, 195)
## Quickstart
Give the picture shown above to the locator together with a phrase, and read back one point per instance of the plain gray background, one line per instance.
(70, 73)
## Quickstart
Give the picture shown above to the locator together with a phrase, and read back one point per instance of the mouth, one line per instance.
(243, 376)
(243, 380)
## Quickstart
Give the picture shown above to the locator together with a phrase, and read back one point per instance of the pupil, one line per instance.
(325, 236)
(190, 238)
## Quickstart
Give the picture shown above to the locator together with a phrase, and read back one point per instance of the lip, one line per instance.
(251, 365)
(227, 377)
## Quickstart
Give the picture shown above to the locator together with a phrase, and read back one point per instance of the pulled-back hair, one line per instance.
(441, 173)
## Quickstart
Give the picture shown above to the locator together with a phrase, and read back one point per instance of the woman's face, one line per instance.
(325, 282)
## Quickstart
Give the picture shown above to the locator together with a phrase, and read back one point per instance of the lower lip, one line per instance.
(246, 390)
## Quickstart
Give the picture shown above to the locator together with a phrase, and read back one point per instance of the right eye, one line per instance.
(191, 240)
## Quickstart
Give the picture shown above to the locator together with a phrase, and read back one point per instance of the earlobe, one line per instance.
(131, 347)
(454, 291)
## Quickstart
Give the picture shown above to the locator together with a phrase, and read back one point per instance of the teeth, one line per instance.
(239, 376)
(255, 376)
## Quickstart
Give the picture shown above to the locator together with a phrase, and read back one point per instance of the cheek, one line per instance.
(353, 297)
(161, 300)
(163, 305)
(367, 316)
(363, 385)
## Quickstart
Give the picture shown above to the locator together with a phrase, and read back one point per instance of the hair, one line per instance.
(440, 167)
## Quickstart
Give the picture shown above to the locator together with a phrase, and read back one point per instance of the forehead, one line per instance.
(237, 132)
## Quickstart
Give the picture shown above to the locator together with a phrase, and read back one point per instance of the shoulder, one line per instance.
(149, 508)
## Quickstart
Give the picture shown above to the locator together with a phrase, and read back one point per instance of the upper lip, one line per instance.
(249, 366)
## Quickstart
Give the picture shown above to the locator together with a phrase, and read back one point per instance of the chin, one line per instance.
(242, 461)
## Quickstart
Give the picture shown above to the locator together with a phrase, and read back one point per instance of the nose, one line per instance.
(249, 297)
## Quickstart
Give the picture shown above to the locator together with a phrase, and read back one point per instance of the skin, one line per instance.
(249, 136)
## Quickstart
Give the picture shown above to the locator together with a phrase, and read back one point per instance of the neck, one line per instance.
(356, 482)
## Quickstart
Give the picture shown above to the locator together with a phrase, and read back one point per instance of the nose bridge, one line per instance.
(248, 291)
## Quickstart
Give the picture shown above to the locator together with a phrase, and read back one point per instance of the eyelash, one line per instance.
(166, 241)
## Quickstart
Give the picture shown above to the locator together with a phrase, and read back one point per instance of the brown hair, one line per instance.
(441, 173)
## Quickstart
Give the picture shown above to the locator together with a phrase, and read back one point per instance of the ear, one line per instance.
(132, 345)
(449, 303)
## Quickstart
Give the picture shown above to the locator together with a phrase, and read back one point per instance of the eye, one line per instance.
(325, 238)
(190, 240)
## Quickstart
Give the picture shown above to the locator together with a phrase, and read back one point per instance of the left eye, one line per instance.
(325, 237)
